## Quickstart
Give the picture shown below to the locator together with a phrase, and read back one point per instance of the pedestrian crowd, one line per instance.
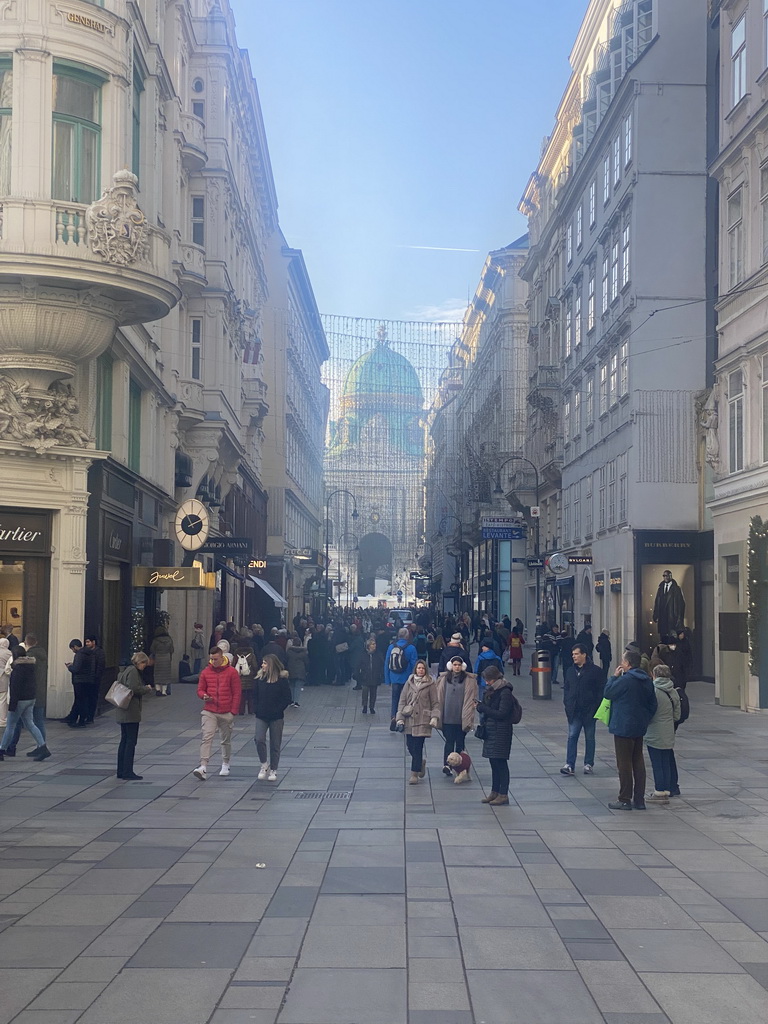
(424, 658)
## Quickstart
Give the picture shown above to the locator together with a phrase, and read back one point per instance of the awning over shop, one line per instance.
(230, 572)
(270, 591)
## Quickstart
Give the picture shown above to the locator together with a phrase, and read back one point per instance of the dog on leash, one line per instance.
(460, 765)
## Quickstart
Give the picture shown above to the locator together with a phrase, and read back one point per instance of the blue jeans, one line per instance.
(22, 715)
(661, 762)
(574, 731)
(38, 717)
(397, 689)
(553, 663)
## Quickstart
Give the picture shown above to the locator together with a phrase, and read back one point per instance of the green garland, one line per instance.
(758, 546)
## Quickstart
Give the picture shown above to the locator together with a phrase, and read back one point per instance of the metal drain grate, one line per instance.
(312, 794)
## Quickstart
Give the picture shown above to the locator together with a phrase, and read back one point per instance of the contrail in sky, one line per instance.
(436, 248)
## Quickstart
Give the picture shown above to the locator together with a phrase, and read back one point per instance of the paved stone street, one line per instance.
(339, 895)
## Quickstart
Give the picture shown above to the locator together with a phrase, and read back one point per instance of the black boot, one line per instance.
(10, 752)
(41, 753)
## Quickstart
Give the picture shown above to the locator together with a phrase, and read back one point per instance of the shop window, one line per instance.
(577, 317)
(591, 298)
(592, 203)
(76, 133)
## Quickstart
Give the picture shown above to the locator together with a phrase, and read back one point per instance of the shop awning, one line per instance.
(270, 591)
(230, 572)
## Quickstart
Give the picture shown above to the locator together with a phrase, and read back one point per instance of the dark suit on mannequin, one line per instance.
(669, 606)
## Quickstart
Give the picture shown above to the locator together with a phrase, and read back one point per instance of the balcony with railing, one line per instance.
(72, 273)
(544, 387)
(191, 138)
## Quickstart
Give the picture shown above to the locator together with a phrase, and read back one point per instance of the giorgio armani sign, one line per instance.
(24, 532)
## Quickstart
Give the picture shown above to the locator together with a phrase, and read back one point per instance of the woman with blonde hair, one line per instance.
(271, 696)
(129, 717)
(418, 713)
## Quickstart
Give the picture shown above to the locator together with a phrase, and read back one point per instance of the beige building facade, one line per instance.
(138, 210)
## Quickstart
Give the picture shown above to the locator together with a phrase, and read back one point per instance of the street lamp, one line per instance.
(350, 552)
(355, 515)
(499, 491)
(419, 559)
(460, 560)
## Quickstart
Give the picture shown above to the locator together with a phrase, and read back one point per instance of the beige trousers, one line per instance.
(211, 722)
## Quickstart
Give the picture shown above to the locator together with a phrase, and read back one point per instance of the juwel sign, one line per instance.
(169, 577)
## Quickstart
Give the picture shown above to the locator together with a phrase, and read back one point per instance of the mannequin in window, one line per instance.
(669, 606)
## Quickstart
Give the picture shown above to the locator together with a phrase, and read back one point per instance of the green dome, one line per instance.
(382, 373)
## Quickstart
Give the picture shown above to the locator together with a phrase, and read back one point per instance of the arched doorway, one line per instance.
(374, 562)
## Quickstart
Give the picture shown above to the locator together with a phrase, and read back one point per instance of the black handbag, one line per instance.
(480, 732)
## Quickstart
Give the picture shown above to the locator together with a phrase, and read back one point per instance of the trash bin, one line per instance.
(541, 675)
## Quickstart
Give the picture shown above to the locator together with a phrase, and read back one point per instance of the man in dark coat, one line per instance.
(585, 638)
(454, 646)
(582, 693)
(633, 705)
(669, 606)
(94, 686)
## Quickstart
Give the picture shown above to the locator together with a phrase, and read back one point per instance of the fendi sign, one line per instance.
(24, 532)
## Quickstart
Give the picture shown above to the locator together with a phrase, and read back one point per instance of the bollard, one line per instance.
(541, 675)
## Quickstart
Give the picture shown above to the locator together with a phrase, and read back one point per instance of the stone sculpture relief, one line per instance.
(117, 227)
(40, 421)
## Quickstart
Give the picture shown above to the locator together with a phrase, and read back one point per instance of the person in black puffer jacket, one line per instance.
(369, 672)
(271, 696)
(21, 701)
(496, 711)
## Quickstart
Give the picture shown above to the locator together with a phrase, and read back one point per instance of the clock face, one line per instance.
(191, 524)
(559, 563)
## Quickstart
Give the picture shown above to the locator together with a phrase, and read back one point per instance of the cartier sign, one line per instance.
(169, 577)
(24, 532)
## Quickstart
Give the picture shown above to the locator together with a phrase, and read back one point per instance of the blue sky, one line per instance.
(401, 123)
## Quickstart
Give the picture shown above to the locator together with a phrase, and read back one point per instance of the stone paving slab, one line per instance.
(143, 901)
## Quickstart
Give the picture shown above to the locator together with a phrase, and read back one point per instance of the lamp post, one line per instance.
(350, 552)
(460, 562)
(498, 490)
(425, 543)
(339, 490)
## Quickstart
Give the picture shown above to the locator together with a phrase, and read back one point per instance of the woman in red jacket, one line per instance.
(219, 688)
(515, 644)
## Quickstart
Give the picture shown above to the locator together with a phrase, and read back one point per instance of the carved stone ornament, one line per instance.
(709, 423)
(117, 228)
(40, 420)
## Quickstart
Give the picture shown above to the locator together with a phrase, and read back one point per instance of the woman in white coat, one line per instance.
(5, 675)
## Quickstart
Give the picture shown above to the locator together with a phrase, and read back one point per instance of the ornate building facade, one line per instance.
(133, 337)
(477, 425)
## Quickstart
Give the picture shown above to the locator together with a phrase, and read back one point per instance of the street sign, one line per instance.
(518, 559)
(504, 532)
(399, 595)
(419, 575)
(535, 512)
(224, 545)
(535, 563)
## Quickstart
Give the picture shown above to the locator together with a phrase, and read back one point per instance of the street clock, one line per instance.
(559, 563)
(191, 524)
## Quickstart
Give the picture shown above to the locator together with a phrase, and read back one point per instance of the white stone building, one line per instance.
(737, 411)
(618, 283)
(133, 333)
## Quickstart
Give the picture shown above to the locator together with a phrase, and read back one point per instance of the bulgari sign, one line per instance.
(26, 533)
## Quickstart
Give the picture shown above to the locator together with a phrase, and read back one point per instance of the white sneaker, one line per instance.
(272, 777)
(263, 773)
(224, 769)
(201, 773)
(588, 769)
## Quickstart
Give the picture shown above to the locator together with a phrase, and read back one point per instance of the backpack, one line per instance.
(243, 665)
(398, 660)
(421, 645)
(517, 711)
(685, 706)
